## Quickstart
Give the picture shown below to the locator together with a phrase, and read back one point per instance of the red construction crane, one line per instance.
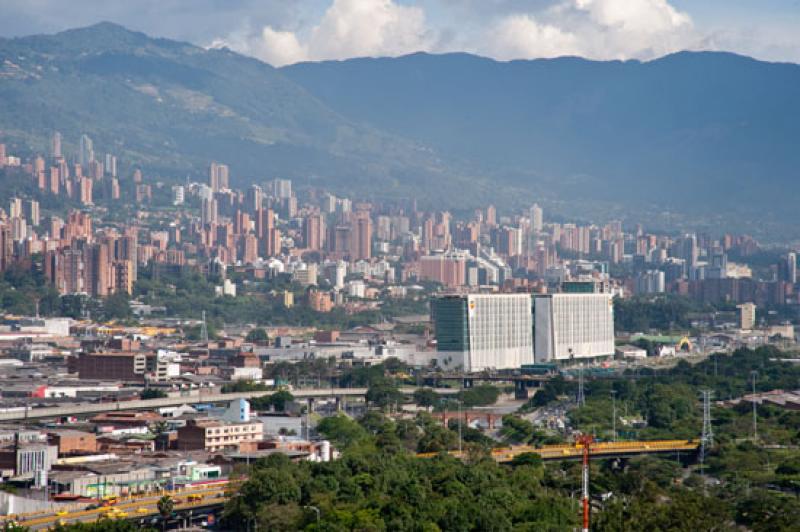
(586, 441)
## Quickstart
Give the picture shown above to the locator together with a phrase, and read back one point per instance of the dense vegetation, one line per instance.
(663, 313)
(379, 484)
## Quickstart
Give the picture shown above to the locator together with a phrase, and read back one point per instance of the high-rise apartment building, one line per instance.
(282, 188)
(314, 231)
(572, 326)
(537, 218)
(55, 145)
(747, 316)
(361, 247)
(86, 154)
(218, 177)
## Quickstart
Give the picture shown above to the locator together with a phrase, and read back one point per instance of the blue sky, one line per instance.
(286, 31)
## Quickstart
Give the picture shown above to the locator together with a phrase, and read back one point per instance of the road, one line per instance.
(193, 398)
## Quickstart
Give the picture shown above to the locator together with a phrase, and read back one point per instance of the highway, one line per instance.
(138, 507)
(191, 398)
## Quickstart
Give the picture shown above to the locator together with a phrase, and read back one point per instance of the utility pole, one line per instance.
(586, 441)
(753, 375)
(581, 396)
(614, 415)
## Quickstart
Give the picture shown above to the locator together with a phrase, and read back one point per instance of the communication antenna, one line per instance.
(707, 438)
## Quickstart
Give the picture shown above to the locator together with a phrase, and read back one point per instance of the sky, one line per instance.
(287, 31)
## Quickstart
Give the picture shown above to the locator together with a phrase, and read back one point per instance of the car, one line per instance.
(62, 513)
(122, 515)
(194, 497)
(142, 510)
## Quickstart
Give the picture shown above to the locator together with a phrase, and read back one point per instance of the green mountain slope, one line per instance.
(172, 108)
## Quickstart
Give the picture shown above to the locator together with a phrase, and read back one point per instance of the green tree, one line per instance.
(117, 307)
(257, 336)
(165, 507)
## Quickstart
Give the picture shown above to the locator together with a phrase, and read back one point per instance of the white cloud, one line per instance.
(597, 29)
(348, 28)
(280, 47)
(522, 36)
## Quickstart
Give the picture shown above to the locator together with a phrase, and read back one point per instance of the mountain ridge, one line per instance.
(690, 131)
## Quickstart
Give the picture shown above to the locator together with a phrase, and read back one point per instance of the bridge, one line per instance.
(598, 450)
(74, 409)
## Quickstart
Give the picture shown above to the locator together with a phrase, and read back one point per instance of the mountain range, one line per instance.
(697, 133)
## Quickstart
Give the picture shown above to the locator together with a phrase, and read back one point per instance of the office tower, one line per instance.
(111, 165)
(253, 199)
(314, 231)
(2, 155)
(537, 218)
(788, 270)
(32, 212)
(361, 247)
(86, 154)
(218, 176)
(55, 145)
(137, 176)
(747, 316)
(282, 188)
(479, 332)
(573, 326)
(690, 251)
(178, 195)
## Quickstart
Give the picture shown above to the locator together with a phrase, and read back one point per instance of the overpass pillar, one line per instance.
(520, 390)
(468, 383)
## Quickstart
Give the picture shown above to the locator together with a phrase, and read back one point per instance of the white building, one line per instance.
(571, 326)
(483, 331)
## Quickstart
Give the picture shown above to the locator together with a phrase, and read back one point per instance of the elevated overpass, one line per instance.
(598, 450)
(196, 499)
(75, 409)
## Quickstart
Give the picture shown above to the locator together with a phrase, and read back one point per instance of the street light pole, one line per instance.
(459, 426)
(614, 415)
